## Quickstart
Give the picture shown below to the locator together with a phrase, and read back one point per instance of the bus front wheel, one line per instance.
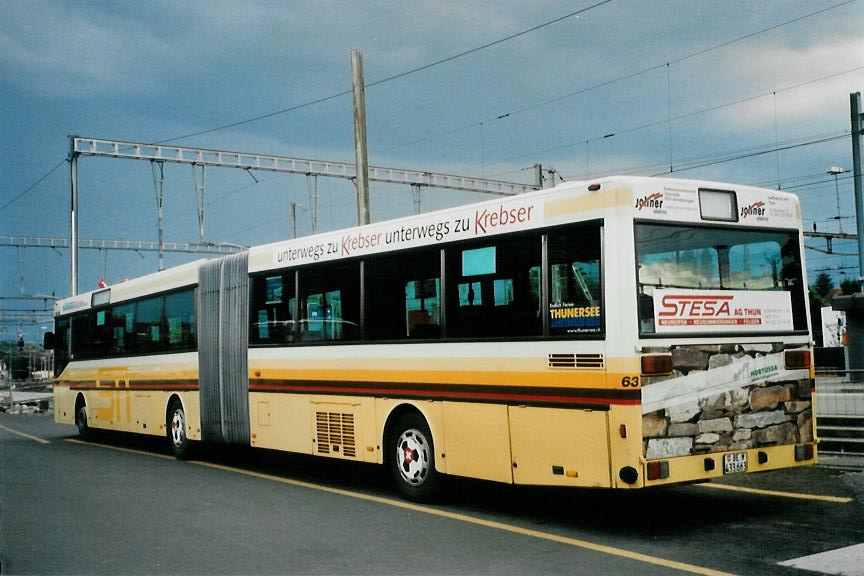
(412, 458)
(81, 418)
(181, 446)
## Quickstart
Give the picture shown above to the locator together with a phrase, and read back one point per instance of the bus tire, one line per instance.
(411, 458)
(176, 428)
(81, 418)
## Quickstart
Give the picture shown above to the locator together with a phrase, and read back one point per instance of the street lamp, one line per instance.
(836, 171)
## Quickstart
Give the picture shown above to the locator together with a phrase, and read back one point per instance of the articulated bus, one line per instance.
(620, 333)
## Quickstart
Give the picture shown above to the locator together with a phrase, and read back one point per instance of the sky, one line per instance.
(737, 91)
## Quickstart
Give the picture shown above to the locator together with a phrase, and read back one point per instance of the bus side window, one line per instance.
(272, 314)
(403, 295)
(180, 321)
(123, 319)
(423, 308)
(80, 336)
(575, 291)
(330, 302)
(148, 325)
(493, 288)
(101, 333)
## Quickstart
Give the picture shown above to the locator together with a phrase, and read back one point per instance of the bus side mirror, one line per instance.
(48, 341)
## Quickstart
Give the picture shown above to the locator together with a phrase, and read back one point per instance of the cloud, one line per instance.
(57, 51)
(810, 79)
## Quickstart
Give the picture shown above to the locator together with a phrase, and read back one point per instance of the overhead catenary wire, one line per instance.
(717, 158)
(344, 92)
(462, 54)
(392, 77)
(606, 134)
(511, 113)
(33, 185)
(752, 154)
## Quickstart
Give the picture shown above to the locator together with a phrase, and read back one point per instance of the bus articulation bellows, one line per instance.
(620, 333)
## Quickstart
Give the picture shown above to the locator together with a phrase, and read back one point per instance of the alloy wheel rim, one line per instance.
(413, 457)
(178, 428)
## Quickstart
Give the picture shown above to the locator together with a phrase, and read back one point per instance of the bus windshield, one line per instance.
(689, 264)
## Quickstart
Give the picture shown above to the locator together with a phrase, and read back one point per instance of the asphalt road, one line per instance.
(121, 505)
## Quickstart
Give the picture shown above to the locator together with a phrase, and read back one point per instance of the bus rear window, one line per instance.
(695, 272)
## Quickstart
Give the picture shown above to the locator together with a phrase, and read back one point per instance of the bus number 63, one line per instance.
(630, 382)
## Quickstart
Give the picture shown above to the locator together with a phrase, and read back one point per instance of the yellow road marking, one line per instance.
(799, 496)
(119, 449)
(619, 552)
(24, 435)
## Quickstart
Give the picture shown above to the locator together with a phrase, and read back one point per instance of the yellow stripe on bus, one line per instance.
(562, 379)
(463, 371)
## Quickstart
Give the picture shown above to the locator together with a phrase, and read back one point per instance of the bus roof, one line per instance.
(679, 200)
(566, 202)
(169, 279)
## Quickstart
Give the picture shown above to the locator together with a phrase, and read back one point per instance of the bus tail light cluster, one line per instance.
(656, 364)
(658, 470)
(803, 452)
(796, 359)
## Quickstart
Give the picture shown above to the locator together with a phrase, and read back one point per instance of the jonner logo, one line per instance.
(654, 200)
(755, 209)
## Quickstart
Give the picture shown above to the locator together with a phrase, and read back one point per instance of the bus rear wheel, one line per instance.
(181, 446)
(412, 458)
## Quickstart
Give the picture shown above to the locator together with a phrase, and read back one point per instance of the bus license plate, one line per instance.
(733, 463)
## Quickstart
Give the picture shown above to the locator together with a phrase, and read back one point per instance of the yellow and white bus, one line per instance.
(620, 333)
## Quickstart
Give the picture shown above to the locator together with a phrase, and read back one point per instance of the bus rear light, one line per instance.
(803, 452)
(797, 359)
(656, 364)
(593, 187)
(658, 470)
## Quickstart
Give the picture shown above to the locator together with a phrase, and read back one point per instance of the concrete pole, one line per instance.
(359, 105)
(857, 121)
(73, 240)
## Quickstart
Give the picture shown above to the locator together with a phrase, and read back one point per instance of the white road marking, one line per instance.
(848, 561)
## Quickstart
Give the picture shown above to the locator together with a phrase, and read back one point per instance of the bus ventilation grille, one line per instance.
(335, 434)
(576, 361)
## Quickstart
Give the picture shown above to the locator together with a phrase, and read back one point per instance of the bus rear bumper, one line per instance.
(700, 467)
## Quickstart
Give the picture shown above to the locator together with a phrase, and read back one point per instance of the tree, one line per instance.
(823, 284)
(850, 287)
